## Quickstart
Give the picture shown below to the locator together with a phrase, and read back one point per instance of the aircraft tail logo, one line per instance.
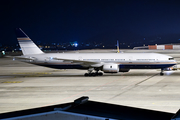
(118, 47)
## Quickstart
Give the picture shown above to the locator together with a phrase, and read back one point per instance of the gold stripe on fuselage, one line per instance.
(126, 63)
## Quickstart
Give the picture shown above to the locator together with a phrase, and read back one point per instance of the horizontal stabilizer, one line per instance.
(24, 58)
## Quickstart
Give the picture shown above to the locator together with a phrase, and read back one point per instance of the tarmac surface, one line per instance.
(24, 86)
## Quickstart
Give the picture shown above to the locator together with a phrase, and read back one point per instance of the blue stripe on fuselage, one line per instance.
(126, 66)
(150, 66)
(63, 66)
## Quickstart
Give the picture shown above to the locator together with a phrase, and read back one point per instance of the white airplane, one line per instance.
(106, 62)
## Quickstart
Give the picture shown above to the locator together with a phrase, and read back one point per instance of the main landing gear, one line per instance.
(90, 73)
(93, 74)
(161, 73)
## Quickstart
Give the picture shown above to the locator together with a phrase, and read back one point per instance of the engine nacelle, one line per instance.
(110, 68)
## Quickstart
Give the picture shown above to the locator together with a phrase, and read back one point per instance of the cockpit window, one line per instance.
(171, 58)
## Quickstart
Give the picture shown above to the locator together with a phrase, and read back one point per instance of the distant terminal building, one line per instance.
(160, 47)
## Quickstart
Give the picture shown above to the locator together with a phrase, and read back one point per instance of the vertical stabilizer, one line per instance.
(26, 44)
(117, 46)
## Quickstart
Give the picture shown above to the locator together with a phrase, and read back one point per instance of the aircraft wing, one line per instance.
(90, 63)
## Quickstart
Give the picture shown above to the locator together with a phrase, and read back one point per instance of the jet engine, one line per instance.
(110, 68)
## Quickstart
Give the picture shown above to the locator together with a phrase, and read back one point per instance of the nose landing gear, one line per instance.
(161, 73)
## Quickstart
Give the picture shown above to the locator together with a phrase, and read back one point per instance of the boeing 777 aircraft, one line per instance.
(106, 62)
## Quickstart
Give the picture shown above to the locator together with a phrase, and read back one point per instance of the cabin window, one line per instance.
(171, 58)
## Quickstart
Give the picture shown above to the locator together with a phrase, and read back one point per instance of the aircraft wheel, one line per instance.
(97, 74)
(90, 74)
(86, 74)
(93, 74)
(100, 73)
(161, 73)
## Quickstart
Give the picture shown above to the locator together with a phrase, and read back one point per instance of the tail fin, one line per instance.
(117, 46)
(26, 44)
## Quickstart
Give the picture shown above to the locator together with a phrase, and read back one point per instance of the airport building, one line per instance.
(160, 47)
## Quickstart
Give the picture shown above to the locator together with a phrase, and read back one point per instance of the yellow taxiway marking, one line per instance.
(12, 82)
(33, 73)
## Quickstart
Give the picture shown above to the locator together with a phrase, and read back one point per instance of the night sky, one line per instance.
(91, 20)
